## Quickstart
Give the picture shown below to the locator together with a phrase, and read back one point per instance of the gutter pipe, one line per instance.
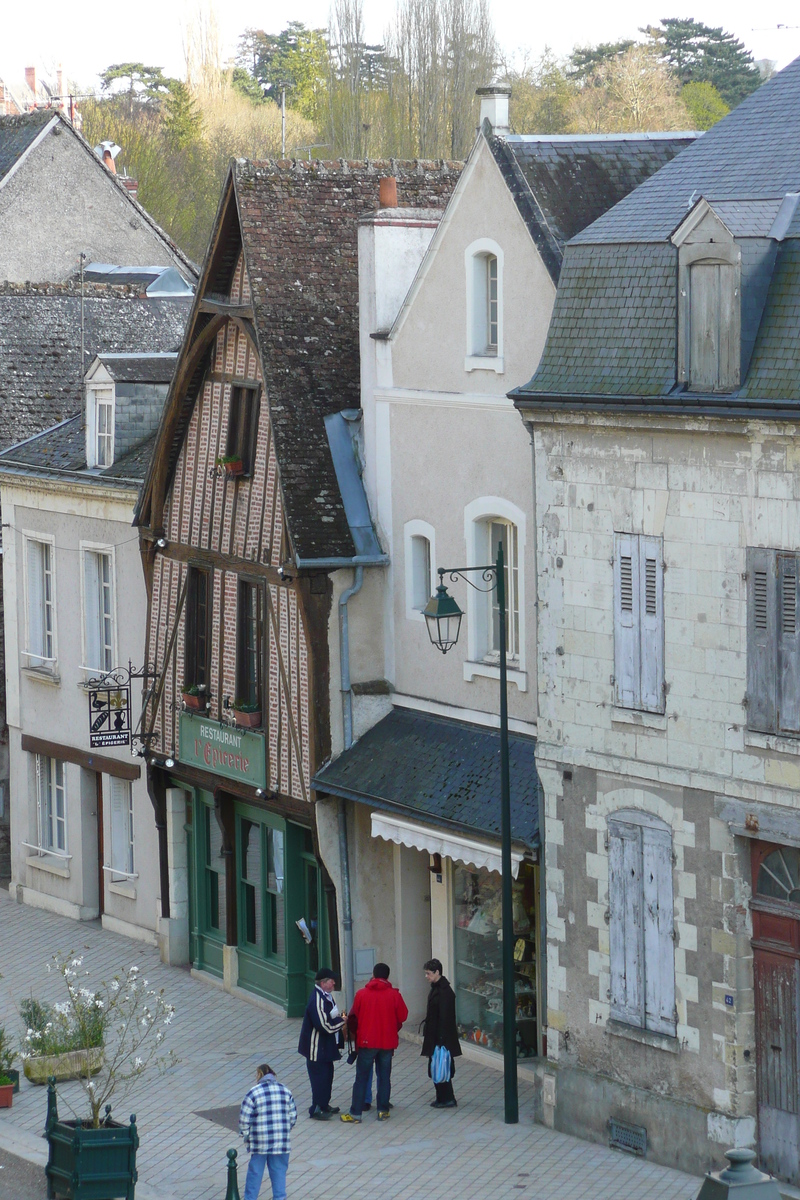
(347, 715)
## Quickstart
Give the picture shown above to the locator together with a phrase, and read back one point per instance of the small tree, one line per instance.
(704, 103)
(132, 1018)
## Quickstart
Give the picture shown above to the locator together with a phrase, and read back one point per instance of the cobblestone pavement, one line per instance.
(418, 1155)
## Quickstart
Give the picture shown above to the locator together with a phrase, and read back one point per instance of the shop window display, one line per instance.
(478, 954)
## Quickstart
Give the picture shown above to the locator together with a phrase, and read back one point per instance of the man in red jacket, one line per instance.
(376, 1017)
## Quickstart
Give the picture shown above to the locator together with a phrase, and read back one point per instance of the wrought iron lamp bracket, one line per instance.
(488, 575)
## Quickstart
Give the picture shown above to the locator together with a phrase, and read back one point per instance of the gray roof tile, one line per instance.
(17, 134)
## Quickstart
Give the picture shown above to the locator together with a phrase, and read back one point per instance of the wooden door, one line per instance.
(776, 967)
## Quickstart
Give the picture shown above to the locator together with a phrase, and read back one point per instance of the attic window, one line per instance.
(243, 427)
(100, 427)
(709, 303)
(484, 287)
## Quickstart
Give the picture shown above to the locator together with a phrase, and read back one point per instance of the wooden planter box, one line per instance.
(73, 1065)
(89, 1164)
(195, 703)
(249, 720)
(6, 1094)
(234, 468)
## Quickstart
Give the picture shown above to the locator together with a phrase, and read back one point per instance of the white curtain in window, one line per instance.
(121, 826)
(40, 603)
(98, 610)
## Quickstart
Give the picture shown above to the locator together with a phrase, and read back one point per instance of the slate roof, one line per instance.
(563, 183)
(754, 152)
(140, 368)
(613, 332)
(40, 338)
(17, 134)
(63, 448)
(439, 770)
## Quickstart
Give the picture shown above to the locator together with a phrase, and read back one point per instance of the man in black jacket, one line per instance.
(441, 1030)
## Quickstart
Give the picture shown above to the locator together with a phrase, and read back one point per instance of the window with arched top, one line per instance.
(779, 875)
(484, 288)
(419, 545)
(490, 522)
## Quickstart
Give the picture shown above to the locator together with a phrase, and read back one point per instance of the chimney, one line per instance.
(494, 107)
(387, 192)
(130, 185)
(60, 81)
(108, 161)
(30, 79)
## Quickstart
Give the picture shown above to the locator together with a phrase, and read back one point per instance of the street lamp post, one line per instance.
(443, 618)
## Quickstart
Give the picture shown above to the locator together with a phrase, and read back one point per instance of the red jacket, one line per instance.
(377, 1015)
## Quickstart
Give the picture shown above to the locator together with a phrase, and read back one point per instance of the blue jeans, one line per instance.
(277, 1165)
(382, 1061)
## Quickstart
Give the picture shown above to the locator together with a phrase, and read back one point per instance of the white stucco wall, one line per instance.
(61, 202)
(58, 709)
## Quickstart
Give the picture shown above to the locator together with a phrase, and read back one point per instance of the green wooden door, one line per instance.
(208, 892)
(261, 881)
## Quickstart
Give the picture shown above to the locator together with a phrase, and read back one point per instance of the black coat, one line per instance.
(440, 1021)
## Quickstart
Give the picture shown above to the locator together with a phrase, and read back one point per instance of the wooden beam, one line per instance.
(199, 557)
(83, 758)
(219, 308)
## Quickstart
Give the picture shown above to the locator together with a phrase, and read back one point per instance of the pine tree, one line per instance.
(699, 53)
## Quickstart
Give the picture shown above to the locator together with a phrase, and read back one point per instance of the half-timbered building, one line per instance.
(253, 523)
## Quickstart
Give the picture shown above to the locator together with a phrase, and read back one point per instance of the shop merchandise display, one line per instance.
(479, 967)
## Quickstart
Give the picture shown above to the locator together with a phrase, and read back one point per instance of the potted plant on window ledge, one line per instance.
(247, 715)
(194, 698)
(92, 1155)
(231, 464)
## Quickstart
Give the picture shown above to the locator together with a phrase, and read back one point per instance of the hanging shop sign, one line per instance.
(110, 716)
(223, 749)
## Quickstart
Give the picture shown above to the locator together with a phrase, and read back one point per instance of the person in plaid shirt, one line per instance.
(266, 1120)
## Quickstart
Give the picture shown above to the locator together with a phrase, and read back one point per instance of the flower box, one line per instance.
(248, 720)
(195, 703)
(90, 1164)
(231, 466)
(74, 1064)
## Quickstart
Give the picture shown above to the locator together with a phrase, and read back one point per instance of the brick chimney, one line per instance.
(60, 81)
(30, 79)
(387, 192)
(108, 161)
(130, 185)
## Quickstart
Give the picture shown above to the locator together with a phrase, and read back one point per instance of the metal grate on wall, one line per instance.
(624, 1136)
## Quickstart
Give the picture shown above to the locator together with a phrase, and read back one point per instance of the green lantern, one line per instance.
(443, 618)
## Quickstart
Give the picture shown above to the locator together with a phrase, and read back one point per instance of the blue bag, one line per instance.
(440, 1065)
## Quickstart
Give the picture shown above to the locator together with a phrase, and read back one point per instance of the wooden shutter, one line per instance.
(659, 941)
(627, 608)
(788, 638)
(704, 327)
(91, 616)
(121, 826)
(37, 642)
(762, 654)
(625, 923)
(651, 623)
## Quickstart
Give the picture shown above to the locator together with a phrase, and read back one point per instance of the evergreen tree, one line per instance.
(585, 60)
(699, 53)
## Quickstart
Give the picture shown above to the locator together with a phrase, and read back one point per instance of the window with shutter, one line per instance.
(121, 826)
(638, 622)
(773, 641)
(52, 803)
(713, 336)
(98, 610)
(40, 649)
(641, 922)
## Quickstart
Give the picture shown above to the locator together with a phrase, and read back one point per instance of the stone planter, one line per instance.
(72, 1065)
(89, 1164)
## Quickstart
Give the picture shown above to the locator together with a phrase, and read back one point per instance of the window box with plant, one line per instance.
(231, 464)
(195, 698)
(247, 715)
(59, 1043)
(92, 1155)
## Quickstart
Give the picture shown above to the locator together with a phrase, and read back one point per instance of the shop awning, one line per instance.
(433, 841)
(442, 773)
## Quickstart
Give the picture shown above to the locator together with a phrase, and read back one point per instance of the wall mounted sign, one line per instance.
(110, 716)
(223, 749)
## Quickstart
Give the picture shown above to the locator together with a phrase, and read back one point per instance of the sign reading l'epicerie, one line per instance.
(223, 749)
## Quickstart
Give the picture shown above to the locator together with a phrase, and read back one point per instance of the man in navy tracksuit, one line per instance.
(319, 1043)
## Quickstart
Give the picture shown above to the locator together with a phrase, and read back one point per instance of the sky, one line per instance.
(88, 35)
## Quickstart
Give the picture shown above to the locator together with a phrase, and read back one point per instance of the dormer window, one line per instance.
(484, 280)
(709, 303)
(100, 427)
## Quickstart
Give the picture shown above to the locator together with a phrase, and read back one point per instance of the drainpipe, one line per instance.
(347, 715)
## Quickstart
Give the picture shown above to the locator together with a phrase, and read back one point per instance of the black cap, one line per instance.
(324, 973)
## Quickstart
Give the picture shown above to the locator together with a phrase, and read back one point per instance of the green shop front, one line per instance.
(258, 905)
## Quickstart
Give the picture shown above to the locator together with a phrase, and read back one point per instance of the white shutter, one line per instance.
(36, 634)
(625, 924)
(627, 669)
(121, 826)
(762, 653)
(651, 618)
(91, 614)
(659, 941)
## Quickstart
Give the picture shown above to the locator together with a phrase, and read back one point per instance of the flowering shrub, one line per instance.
(125, 1015)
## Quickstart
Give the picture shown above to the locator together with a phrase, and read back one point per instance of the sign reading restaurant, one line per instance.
(223, 749)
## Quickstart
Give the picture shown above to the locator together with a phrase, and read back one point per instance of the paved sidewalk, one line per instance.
(418, 1155)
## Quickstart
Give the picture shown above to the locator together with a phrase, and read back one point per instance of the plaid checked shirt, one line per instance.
(267, 1117)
